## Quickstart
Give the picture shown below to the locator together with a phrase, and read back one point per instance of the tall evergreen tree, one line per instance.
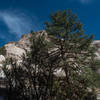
(75, 54)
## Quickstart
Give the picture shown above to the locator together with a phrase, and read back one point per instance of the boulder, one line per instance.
(2, 58)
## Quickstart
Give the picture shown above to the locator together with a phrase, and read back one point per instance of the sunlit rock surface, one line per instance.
(2, 58)
(13, 51)
(96, 43)
(17, 49)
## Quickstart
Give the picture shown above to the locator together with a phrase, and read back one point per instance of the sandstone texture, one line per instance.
(17, 49)
(96, 43)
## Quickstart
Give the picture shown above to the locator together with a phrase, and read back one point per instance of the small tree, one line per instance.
(32, 79)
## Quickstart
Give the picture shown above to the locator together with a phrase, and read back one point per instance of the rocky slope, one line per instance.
(96, 43)
(17, 49)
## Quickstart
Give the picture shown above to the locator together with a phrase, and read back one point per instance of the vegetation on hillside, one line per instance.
(66, 48)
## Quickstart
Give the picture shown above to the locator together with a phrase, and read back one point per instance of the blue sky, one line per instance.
(18, 17)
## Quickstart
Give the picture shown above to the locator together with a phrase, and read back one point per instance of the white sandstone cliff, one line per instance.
(17, 49)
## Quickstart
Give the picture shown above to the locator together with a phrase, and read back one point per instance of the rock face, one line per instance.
(14, 51)
(24, 42)
(2, 58)
(17, 49)
(96, 43)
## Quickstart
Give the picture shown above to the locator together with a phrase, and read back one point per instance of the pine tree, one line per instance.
(75, 53)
